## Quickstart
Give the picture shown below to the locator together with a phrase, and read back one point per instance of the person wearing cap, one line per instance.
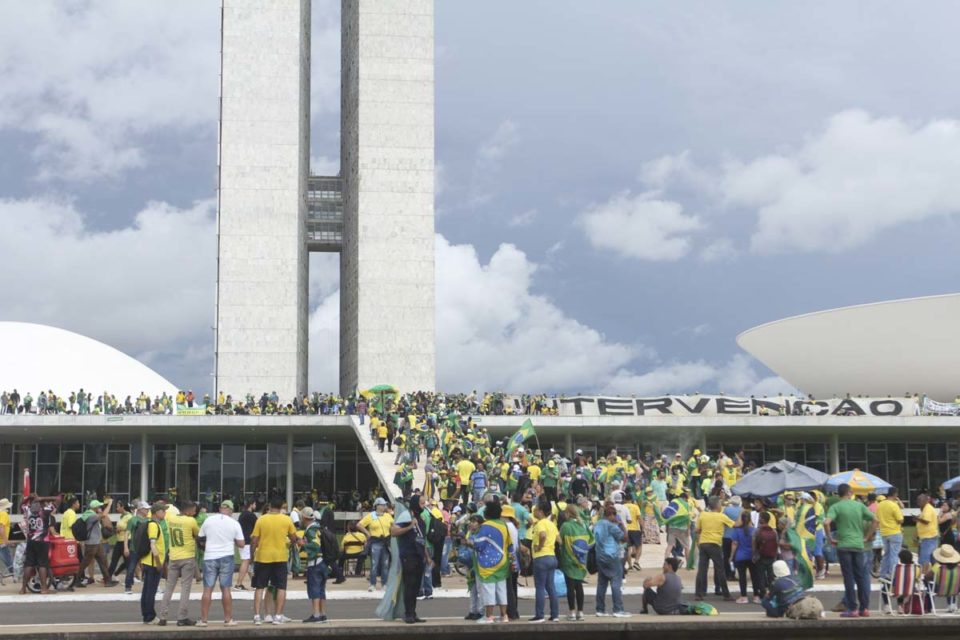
(97, 517)
(316, 566)
(6, 558)
(693, 473)
(151, 561)
(945, 571)
(376, 527)
(219, 535)
(141, 514)
(854, 527)
(787, 597)
(181, 562)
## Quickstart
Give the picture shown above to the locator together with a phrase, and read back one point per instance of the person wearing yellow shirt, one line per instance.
(634, 535)
(181, 561)
(382, 432)
(465, 469)
(269, 547)
(69, 518)
(544, 535)
(928, 533)
(152, 563)
(353, 547)
(6, 558)
(534, 472)
(376, 527)
(709, 528)
(890, 522)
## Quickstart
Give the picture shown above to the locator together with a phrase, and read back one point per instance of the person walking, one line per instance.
(710, 527)
(219, 535)
(118, 556)
(151, 561)
(130, 552)
(544, 536)
(97, 519)
(609, 533)
(181, 562)
(269, 541)
(376, 527)
(766, 548)
(854, 529)
(409, 531)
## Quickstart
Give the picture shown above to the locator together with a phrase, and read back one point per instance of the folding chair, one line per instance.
(905, 583)
(946, 585)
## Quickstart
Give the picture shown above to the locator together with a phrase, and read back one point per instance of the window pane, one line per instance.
(255, 473)
(48, 453)
(302, 467)
(164, 470)
(47, 479)
(188, 453)
(187, 475)
(71, 472)
(233, 453)
(277, 452)
(233, 482)
(118, 472)
(94, 481)
(95, 453)
(937, 451)
(897, 451)
(6, 481)
(210, 470)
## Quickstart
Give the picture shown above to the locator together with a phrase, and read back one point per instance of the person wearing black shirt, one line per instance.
(247, 520)
(409, 530)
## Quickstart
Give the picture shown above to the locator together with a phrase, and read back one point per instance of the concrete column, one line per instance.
(834, 454)
(703, 442)
(290, 470)
(568, 446)
(144, 467)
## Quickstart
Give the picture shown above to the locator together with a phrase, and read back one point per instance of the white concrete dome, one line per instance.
(38, 357)
(880, 349)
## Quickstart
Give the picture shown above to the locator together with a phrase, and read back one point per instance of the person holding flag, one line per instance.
(525, 432)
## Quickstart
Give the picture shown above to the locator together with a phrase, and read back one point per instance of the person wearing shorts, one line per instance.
(37, 523)
(270, 553)
(316, 566)
(219, 536)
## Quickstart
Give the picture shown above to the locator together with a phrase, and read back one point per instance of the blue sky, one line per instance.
(622, 186)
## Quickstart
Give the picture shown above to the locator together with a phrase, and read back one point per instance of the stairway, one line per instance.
(383, 462)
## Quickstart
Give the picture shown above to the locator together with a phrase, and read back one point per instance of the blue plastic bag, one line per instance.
(559, 584)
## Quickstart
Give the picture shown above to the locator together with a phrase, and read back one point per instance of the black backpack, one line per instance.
(436, 531)
(329, 546)
(79, 530)
(139, 543)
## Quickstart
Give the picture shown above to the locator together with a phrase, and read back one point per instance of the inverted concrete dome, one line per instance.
(880, 349)
(37, 357)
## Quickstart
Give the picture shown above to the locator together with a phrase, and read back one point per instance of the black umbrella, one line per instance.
(775, 478)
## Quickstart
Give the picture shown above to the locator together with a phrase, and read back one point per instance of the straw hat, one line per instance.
(946, 554)
(4, 504)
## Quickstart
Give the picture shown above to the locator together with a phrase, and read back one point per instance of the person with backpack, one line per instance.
(140, 517)
(320, 560)
(89, 529)
(324, 516)
(435, 532)
(152, 549)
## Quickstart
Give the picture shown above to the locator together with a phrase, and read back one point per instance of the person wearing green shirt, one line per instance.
(131, 554)
(549, 478)
(854, 525)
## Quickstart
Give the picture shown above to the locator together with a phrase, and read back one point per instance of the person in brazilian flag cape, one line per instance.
(676, 516)
(493, 558)
(810, 527)
(523, 433)
(803, 566)
(576, 541)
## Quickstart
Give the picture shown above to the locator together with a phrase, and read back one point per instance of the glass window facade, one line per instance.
(201, 472)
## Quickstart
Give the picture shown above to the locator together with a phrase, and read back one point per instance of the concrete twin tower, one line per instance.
(378, 213)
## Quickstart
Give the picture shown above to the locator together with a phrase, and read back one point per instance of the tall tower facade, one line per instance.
(264, 160)
(378, 213)
(387, 165)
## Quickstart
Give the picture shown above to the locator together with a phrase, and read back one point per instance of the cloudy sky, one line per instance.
(623, 187)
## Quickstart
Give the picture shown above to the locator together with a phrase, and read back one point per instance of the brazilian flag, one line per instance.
(804, 565)
(577, 541)
(493, 551)
(677, 514)
(523, 433)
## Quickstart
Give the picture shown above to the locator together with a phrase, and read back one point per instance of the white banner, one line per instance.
(700, 405)
(934, 408)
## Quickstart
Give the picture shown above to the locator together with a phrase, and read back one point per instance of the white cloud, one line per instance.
(640, 226)
(90, 78)
(324, 166)
(491, 154)
(323, 363)
(677, 170)
(503, 139)
(145, 289)
(735, 377)
(861, 175)
(524, 219)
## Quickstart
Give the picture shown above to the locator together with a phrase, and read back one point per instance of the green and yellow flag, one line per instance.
(523, 433)
(804, 564)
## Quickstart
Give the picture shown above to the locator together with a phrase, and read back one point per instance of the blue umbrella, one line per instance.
(952, 484)
(775, 478)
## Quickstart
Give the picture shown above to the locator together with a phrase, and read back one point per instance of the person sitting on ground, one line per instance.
(787, 597)
(663, 591)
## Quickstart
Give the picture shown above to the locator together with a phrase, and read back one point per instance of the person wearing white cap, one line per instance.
(376, 527)
(787, 597)
(219, 536)
(6, 560)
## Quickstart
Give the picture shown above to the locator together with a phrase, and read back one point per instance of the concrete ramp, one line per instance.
(383, 463)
